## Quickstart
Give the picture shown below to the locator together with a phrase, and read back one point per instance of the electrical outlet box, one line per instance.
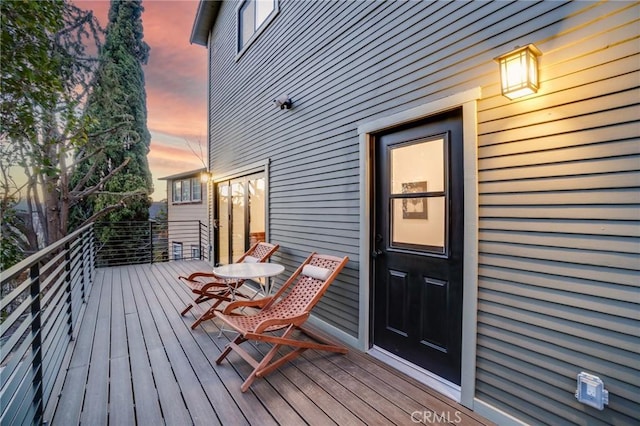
(591, 391)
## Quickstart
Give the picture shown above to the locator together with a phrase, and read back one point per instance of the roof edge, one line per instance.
(206, 15)
(184, 174)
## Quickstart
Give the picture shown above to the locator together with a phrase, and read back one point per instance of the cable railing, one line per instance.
(43, 300)
(129, 243)
(44, 297)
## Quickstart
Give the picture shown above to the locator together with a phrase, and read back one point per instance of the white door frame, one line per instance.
(467, 100)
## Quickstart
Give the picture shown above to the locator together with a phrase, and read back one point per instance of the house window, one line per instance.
(241, 215)
(177, 191)
(196, 191)
(253, 17)
(195, 252)
(177, 251)
(187, 191)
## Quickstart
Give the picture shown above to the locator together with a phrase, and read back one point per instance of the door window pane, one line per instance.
(416, 166)
(418, 195)
(257, 219)
(223, 223)
(237, 220)
(428, 231)
(241, 216)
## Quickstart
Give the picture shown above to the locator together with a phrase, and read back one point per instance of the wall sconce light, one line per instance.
(205, 176)
(283, 101)
(519, 71)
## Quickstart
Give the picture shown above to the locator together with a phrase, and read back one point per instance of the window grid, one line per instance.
(187, 191)
(253, 16)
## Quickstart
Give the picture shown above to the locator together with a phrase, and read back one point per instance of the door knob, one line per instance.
(377, 252)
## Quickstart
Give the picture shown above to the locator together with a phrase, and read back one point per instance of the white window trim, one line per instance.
(256, 34)
(191, 200)
(176, 196)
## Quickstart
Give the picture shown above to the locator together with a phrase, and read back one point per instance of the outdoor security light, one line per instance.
(283, 101)
(519, 71)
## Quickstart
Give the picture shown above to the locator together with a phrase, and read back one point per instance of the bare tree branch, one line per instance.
(200, 156)
(112, 207)
(78, 196)
(88, 175)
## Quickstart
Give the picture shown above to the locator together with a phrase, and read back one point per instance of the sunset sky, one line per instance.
(176, 84)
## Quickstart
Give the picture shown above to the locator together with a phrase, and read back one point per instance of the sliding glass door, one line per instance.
(240, 215)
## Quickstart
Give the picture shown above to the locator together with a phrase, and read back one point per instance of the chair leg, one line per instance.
(280, 361)
(261, 366)
(187, 309)
(209, 314)
(201, 298)
(227, 349)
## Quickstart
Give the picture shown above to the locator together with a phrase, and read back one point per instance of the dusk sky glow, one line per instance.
(176, 85)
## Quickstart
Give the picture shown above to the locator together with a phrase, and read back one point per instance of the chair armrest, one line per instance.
(195, 275)
(196, 285)
(297, 321)
(258, 303)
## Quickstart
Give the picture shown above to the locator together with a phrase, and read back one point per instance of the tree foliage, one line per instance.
(46, 134)
(119, 91)
(45, 74)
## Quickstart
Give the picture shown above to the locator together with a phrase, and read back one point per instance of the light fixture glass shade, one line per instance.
(204, 177)
(519, 72)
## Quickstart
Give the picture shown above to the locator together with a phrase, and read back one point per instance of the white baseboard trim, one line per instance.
(495, 415)
(333, 331)
(437, 383)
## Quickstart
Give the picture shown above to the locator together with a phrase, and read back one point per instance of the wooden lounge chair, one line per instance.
(287, 310)
(208, 286)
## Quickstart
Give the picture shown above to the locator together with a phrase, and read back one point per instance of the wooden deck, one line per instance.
(136, 361)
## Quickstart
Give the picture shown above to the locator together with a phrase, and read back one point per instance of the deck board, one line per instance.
(136, 360)
(97, 388)
(120, 388)
(71, 398)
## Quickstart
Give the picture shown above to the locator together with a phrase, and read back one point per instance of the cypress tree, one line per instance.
(119, 97)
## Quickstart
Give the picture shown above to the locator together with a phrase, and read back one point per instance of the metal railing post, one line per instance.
(200, 239)
(84, 256)
(94, 255)
(67, 280)
(36, 346)
(151, 242)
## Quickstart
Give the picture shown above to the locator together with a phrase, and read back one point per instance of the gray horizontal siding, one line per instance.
(558, 173)
(559, 195)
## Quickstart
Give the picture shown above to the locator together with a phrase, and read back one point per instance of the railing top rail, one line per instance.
(151, 220)
(17, 269)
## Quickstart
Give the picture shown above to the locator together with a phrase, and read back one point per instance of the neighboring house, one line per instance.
(494, 243)
(187, 215)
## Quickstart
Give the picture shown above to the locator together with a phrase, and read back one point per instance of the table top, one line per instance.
(248, 270)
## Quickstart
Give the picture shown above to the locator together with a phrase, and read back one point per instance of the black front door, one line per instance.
(418, 243)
